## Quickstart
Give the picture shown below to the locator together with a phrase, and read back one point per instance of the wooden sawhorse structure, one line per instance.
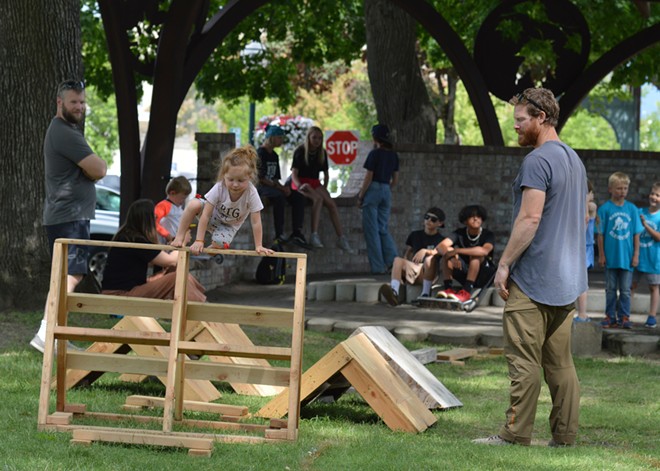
(177, 368)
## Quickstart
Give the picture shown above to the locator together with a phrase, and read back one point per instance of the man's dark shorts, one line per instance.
(484, 277)
(78, 254)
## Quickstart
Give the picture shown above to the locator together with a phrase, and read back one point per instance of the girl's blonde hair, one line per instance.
(245, 155)
(321, 155)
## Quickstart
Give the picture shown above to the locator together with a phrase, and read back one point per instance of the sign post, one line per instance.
(342, 146)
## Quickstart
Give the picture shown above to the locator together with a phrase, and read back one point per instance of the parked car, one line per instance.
(104, 226)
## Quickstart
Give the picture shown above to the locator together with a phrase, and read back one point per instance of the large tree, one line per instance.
(39, 47)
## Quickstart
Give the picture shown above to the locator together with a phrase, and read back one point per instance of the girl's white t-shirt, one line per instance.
(228, 213)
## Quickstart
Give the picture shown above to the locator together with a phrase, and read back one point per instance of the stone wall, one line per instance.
(431, 175)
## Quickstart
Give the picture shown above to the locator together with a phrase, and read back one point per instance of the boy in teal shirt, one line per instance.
(649, 253)
(618, 249)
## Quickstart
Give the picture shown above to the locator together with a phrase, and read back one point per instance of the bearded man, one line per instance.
(71, 168)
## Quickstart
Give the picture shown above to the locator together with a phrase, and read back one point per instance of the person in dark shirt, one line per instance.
(277, 194)
(468, 255)
(125, 272)
(418, 264)
(375, 200)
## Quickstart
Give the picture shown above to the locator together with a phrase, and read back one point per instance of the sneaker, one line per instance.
(626, 323)
(281, 239)
(446, 293)
(608, 323)
(650, 322)
(391, 296)
(39, 344)
(581, 319)
(298, 239)
(343, 244)
(492, 440)
(462, 296)
(315, 240)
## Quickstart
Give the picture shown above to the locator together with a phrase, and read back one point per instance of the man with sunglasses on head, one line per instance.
(541, 273)
(418, 265)
(71, 168)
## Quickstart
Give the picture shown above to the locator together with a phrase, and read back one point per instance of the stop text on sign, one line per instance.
(342, 146)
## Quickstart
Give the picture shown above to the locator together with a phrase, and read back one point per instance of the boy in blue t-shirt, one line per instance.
(649, 252)
(618, 247)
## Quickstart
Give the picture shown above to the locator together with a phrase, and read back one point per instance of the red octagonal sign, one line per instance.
(342, 146)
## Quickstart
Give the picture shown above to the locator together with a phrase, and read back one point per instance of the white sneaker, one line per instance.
(315, 240)
(39, 344)
(343, 244)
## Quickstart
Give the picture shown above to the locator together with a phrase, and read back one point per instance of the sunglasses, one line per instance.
(521, 96)
(432, 218)
(72, 85)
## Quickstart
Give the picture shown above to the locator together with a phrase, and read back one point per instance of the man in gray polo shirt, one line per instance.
(541, 273)
(71, 168)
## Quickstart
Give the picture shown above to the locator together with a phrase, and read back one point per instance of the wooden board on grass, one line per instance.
(457, 354)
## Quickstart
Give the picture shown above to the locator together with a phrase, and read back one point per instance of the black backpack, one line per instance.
(271, 270)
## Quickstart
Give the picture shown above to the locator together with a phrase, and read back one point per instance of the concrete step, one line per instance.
(365, 290)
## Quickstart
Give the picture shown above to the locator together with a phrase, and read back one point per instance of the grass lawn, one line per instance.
(620, 421)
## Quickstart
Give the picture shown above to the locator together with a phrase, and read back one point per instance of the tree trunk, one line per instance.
(39, 47)
(448, 104)
(402, 101)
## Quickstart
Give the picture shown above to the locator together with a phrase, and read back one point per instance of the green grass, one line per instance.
(620, 420)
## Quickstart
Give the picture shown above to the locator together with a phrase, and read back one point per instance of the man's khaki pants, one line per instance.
(539, 336)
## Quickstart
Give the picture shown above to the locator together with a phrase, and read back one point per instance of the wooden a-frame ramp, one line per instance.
(178, 366)
(195, 390)
(360, 360)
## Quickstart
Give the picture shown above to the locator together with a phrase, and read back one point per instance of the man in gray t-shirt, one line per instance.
(541, 273)
(71, 168)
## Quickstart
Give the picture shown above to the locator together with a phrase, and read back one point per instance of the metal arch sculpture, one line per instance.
(451, 44)
(597, 71)
(189, 40)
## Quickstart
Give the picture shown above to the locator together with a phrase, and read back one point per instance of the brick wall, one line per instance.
(431, 175)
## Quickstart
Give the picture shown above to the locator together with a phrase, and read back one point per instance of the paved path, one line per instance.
(480, 327)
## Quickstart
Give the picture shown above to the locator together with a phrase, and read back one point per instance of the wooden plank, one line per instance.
(56, 291)
(457, 354)
(173, 391)
(425, 355)
(222, 409)
(383, 389)
(244, 351)
(277, 376)
(142, 437)
(311, 381)
(59, 418)
(112, 336)
(122, 305)
(117, 363)
(427, 386)
(297, 348)
(239, 314)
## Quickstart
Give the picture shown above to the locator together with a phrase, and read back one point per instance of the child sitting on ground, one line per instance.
(227, 205)
(467, 255)
(417, 266)
(168, 212)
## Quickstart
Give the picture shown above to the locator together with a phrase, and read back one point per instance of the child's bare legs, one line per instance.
(193, 209)
(317, 203)
(332, 209)
(582, 305)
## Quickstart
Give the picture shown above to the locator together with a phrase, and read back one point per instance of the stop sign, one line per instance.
(342, 146)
